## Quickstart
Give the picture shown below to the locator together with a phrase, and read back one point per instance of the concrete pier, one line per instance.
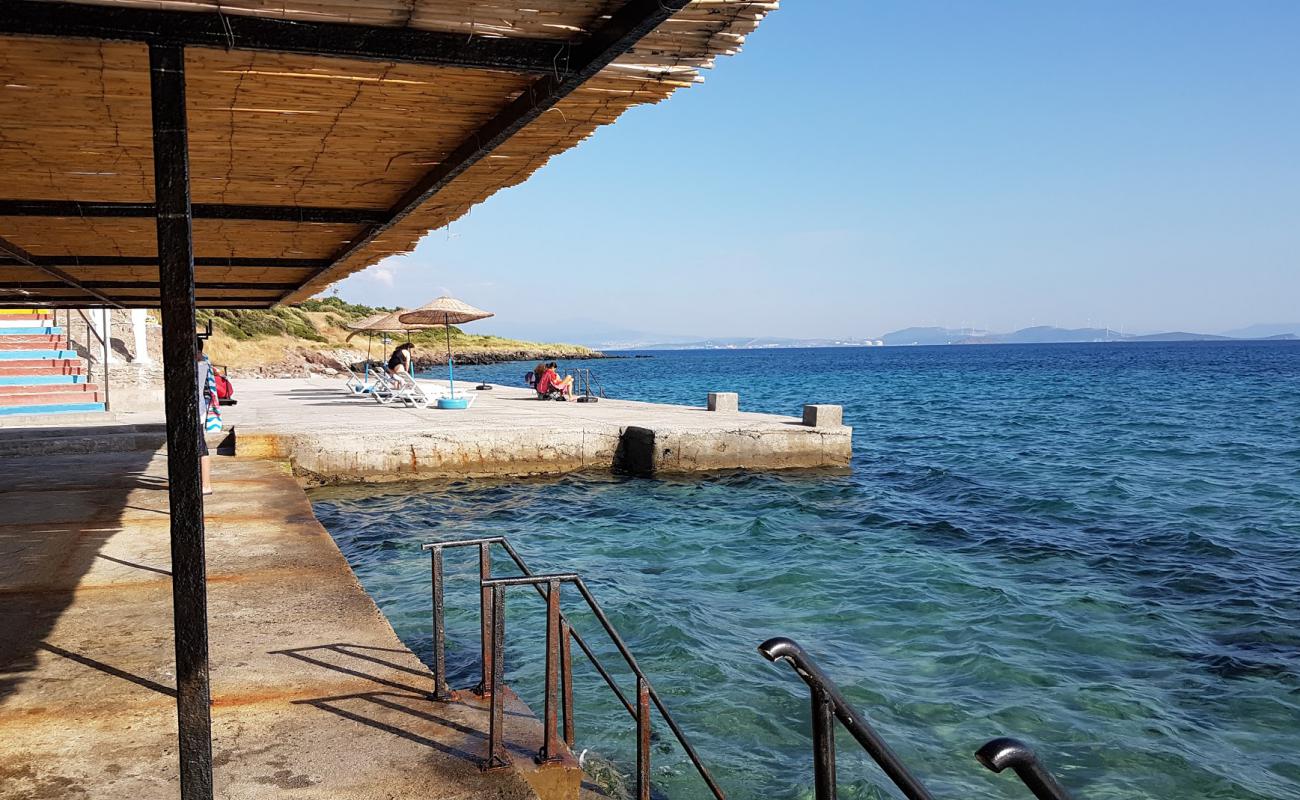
(313, 694)
(332, 438)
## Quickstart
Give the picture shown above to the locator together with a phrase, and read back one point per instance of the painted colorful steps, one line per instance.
(27, 399)
(65, 388)
(42, 368)
(30, 331)
(39, 374)
(31, 341)
(51, 408)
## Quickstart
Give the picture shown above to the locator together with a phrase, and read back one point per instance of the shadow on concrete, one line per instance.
(107, 669)
(56, 513)
(378, 703)
(353, 670)
(126, 563)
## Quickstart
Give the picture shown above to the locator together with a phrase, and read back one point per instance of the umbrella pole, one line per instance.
(370, 340)
(451, 377)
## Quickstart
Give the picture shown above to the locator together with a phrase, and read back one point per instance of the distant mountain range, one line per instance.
(1040, 334)
(1045, 334)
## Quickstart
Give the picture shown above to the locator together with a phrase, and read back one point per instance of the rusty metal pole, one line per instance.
(107, 317)
(440, 689)
(550, 751)
(566, 678)
(823, 732)
(184, 428)
(496, 757)
(485, 617)
(642, 739)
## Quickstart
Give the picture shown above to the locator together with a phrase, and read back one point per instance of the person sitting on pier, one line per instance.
(552, 385)
(400, 360)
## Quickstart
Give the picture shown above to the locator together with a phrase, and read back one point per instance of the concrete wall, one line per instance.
(326, 458)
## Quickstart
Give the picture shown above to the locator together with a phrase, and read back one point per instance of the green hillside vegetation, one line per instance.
(247, 338)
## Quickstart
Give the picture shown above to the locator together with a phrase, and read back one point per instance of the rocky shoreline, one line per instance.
(302, 361)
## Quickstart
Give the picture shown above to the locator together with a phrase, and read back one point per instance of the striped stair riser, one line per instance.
(27, 355)
(50, 399)
(18, 323)
(39, 380)
(14, 365)
(33, 342)
(45, 369)
(63, 408)
(47, 388)
(30, 330)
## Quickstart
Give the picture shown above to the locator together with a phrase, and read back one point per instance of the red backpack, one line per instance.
(224, 388)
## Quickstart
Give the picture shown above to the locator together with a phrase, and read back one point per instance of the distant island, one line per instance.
(1039, 334)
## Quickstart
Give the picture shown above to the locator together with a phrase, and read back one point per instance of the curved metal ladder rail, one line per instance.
(559, 688)
(828, 705)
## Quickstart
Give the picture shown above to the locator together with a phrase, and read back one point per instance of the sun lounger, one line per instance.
(362, 378)
(387, 387)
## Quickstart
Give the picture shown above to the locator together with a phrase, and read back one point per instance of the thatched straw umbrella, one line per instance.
(383, 322)
(445, 311)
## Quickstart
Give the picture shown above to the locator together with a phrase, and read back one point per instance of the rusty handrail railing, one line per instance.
(558, 665)
(828, 705)
(105, 341)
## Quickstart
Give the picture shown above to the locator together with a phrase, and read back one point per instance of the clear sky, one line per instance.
(865, 166)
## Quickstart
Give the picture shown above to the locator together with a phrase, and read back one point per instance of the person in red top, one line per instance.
(551, 381)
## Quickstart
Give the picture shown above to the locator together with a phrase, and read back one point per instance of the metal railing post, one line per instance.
(1004, 752)
(496, 756)
(566, 678)
(823, 735)
(781, 648)
(107, 316)
(440, 689)
(550, 751)
(642, 739)
(485, 617)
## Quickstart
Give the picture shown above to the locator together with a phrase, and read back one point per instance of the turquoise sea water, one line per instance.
(1093, 547)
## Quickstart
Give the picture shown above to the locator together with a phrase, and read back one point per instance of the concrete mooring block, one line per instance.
(724, 401)
(823, 416)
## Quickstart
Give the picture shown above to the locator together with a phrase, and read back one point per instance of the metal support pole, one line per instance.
(823, 731)
(550, 751)
(185, 494)
(485, 617)
(642, 739)
(108, 350)
(496, 758)
(566, 678)
(440, 689)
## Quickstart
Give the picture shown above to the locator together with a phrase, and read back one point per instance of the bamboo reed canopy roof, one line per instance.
(323, 135)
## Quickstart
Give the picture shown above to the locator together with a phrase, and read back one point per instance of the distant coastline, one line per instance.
(1041, 334)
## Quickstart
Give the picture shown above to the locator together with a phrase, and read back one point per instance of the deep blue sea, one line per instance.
(1093, 547)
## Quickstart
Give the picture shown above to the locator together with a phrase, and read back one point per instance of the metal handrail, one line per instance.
(582, 386)
(492, 600)
(105, 342)
(1003, 752)
(828, 704)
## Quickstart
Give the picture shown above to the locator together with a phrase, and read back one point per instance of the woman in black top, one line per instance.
(400, 360)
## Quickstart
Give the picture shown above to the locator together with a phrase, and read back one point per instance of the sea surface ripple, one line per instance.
(1090, 547)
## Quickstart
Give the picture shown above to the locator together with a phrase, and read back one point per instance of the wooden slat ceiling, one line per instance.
(295, 130)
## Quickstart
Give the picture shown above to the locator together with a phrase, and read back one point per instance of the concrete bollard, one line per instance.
(823, 416)
(724, 401)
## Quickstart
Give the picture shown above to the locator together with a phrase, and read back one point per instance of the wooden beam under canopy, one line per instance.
(626, 26)
(94, 208)
(13, 252)
(231, 31)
